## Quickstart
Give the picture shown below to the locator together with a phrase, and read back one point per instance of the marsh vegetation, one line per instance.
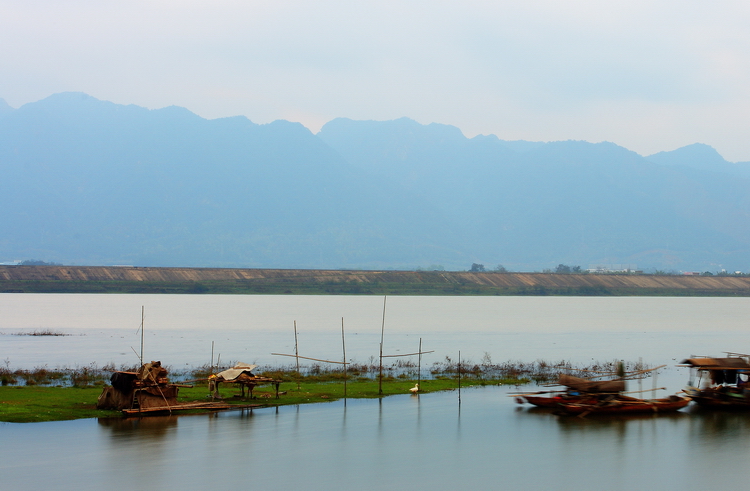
(44, 394)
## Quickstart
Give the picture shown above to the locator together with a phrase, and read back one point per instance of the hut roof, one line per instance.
(236, 371)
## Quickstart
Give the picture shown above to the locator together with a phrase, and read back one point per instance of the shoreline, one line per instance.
(36, 404)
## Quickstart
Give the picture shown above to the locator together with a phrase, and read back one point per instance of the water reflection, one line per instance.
(619, 424)
(486, 442)
(719, 427)
(145, 428)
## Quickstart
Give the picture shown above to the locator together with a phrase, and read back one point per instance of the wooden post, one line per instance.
(296, 353)
(142, 319)
(640, 378)
(343, 346)
(419, 365)
(459, 377)
(382, 332)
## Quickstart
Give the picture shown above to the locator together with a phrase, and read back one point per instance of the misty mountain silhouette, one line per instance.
(91, 182)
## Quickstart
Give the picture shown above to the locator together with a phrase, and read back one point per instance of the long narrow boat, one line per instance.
(624, 405)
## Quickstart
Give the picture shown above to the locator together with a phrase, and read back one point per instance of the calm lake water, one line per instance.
(401, 442)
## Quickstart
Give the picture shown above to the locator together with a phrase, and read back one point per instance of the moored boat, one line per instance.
(576, 390)
(722, 383)
(624, 405)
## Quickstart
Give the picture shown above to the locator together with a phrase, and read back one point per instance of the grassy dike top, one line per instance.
(29, 404)
(130, 279)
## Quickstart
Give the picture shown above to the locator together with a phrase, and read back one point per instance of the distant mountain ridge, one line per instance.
(701, 157)
(92, 182)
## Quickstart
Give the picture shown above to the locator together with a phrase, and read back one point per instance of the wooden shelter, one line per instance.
(242, 375)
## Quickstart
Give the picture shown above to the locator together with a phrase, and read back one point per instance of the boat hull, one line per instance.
(625, 406)
(554, 402)
(725, 399)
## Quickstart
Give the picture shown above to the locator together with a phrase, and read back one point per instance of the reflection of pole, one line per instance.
(419, 364)
(296, 353)
(382, 332)
(343, 347)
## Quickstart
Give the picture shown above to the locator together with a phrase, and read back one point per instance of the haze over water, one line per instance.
(179, 329)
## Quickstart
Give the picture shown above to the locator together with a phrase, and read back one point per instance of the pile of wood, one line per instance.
(146, 388)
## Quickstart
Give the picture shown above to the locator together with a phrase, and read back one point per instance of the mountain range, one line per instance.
(91, 182)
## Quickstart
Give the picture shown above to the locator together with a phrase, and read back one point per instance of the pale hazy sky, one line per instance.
(647, 75)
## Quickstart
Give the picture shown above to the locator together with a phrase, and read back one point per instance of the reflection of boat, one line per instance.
(619, 404)
(722, 382)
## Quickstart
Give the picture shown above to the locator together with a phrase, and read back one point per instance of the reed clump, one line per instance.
(41, 332)
(79, 376)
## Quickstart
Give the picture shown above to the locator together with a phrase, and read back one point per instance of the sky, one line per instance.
(648, 75)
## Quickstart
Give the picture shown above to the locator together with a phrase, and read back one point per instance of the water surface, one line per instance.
(401, 442)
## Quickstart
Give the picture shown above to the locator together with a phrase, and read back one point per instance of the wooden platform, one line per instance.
(205, 406)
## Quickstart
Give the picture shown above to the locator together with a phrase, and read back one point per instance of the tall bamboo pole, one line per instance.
(419, 364)
(459, 377)
(143, 314)
(382, 332)
(343, 347)
(296, 353)
(640, 379)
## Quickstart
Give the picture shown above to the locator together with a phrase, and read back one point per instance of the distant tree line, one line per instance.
(479, 268)
(560, 269)
(37, 262)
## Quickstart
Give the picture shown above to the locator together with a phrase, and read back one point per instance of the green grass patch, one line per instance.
(32, 404)
(26, 404)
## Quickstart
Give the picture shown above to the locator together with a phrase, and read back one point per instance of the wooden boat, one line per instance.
(579, 389)
(723, 382)
(576, 390)
(624, 405)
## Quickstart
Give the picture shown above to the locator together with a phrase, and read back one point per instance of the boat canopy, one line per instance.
(585, 385)
(734, 363)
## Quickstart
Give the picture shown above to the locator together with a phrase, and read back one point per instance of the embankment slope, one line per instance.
(129, 279)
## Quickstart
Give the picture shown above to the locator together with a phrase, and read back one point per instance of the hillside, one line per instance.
(86, 181)
(124, 279)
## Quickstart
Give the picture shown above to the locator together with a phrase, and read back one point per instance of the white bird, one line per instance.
(414, 389)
